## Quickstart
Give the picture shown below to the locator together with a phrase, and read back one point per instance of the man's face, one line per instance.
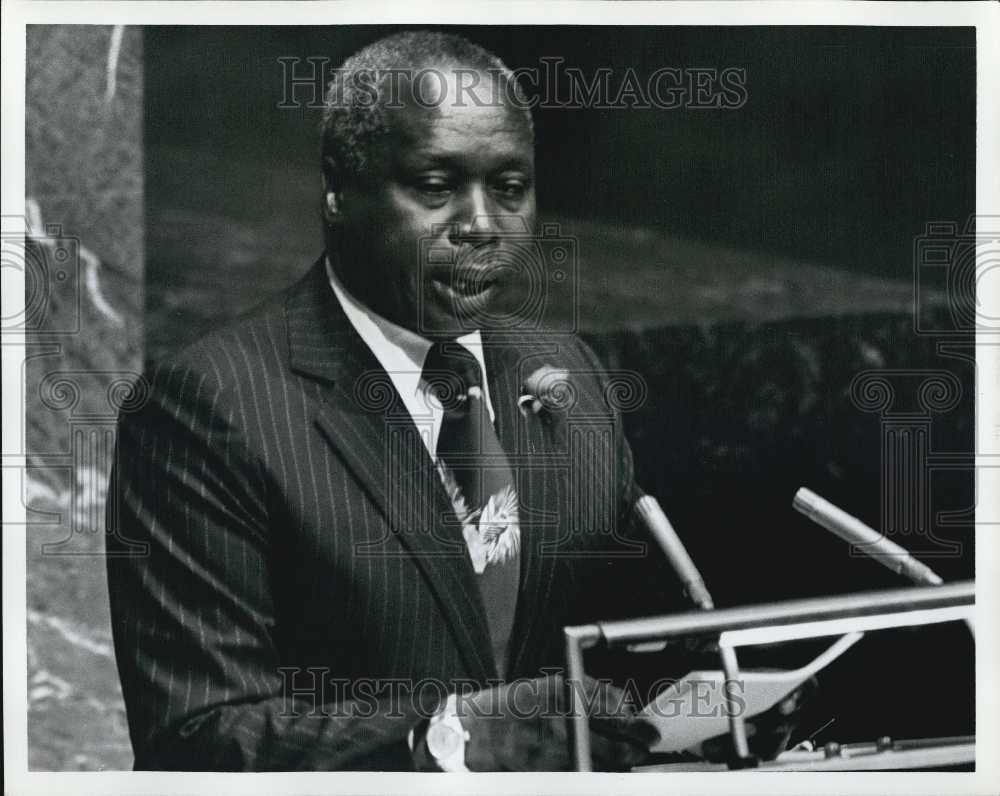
(423, 239)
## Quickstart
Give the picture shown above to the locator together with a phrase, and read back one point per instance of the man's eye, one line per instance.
(512, 188)
(433, 187)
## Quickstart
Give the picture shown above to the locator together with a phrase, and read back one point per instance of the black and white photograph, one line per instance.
(596, 388)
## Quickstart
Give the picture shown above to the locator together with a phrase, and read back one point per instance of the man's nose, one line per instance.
(480, 222)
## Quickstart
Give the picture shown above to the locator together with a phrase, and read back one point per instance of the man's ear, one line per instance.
(332, 191)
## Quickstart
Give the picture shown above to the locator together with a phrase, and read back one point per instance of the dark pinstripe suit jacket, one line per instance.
(284, 591)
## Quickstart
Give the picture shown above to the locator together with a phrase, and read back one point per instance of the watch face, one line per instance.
(442, 741)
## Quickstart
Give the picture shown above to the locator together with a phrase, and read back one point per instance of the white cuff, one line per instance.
(446, 737)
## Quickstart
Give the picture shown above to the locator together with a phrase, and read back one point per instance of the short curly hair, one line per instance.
(354, 109)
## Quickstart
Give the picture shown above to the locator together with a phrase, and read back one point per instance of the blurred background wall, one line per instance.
(84, 259)
(754, 265)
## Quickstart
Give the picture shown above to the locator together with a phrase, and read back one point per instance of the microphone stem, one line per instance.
(648, 509)
(867, 539)
(872, 543)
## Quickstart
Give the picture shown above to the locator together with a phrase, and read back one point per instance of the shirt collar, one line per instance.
(401, 352)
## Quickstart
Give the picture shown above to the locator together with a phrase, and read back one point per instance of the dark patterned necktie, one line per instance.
(480, 483)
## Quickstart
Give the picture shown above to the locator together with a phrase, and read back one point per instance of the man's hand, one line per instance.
(767, 734)
(524, 726)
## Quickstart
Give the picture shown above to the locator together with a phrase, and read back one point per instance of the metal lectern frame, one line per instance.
(794, 619)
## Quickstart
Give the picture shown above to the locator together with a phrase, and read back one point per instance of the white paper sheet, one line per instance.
(694, 709)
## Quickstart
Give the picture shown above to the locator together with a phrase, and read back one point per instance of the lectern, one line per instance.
(745, 626)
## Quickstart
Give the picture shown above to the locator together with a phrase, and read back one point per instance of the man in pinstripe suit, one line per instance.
(295, 581)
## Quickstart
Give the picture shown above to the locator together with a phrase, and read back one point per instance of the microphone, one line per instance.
(870, 541)
(648, 509)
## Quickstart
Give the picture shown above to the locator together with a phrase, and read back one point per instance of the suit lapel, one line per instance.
(363, 418)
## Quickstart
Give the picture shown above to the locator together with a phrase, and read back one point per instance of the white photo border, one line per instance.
(984, 16)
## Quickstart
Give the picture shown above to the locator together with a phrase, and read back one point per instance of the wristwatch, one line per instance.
(446, 737)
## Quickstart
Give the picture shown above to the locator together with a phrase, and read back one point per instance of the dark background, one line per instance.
(747, 263)
(850, 141)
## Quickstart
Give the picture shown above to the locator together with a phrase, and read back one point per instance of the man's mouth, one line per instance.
(467, 284)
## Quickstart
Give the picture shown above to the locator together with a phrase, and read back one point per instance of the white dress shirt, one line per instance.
(402, 353)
